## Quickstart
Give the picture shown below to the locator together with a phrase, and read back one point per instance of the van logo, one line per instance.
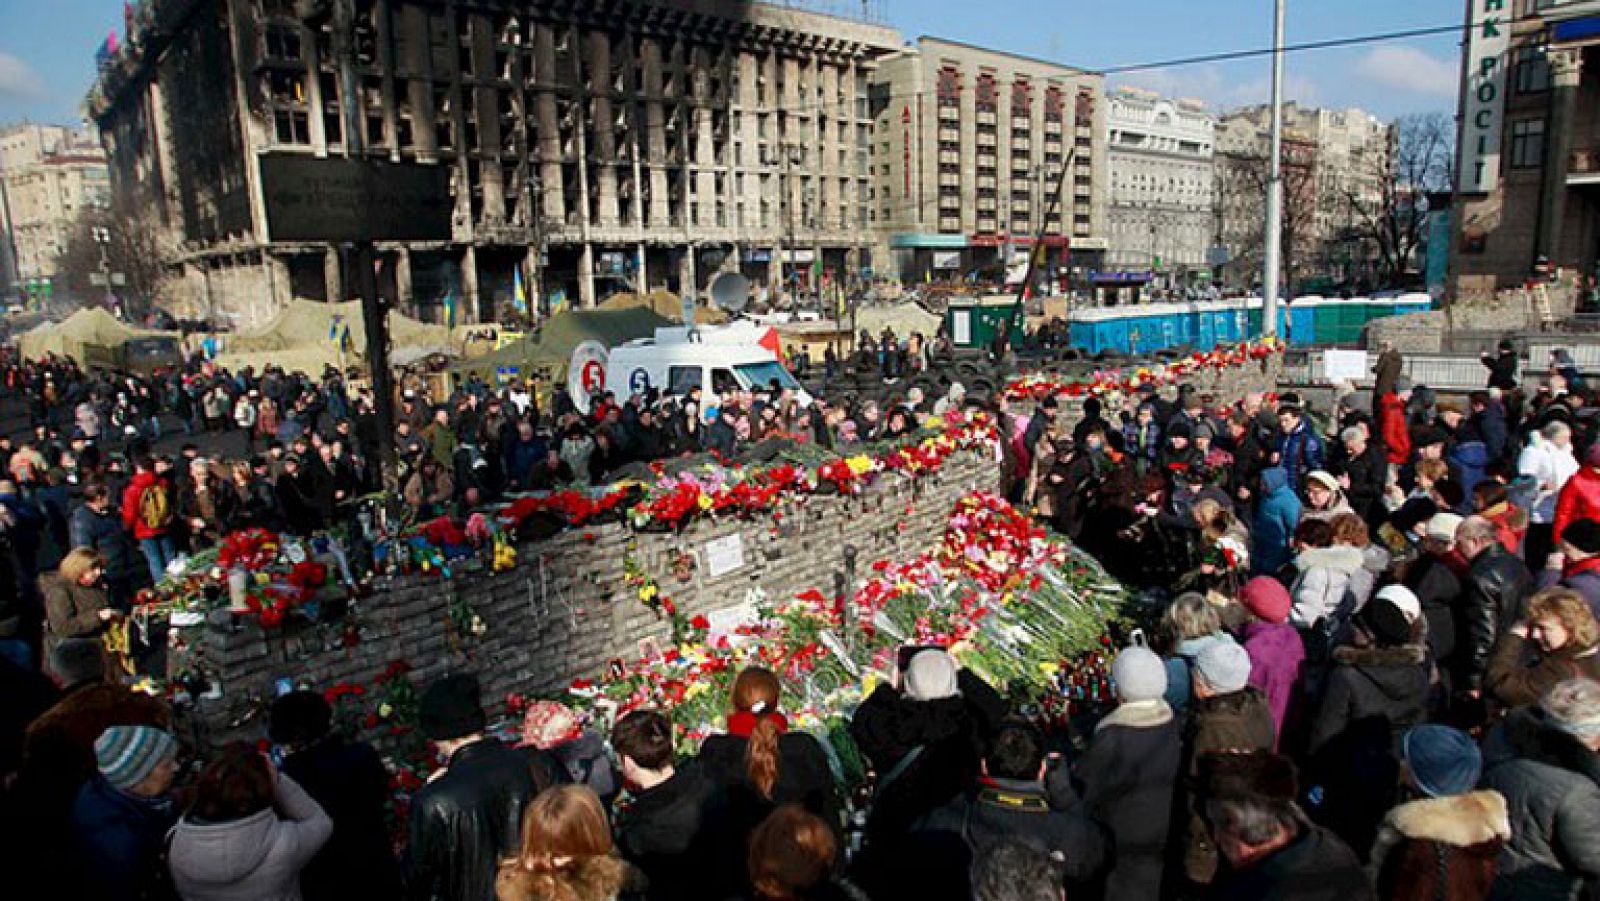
(639, 381)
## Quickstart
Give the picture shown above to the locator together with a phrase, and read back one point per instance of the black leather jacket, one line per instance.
(1496, 586)
(465, 821)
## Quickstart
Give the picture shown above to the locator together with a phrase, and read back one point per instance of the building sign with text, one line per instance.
(1488, 37)
(335, 199)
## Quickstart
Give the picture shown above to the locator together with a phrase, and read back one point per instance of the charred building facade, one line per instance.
(592, 145)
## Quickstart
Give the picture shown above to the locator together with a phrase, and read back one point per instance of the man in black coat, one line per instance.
(1364, 474)
(349, 780)
(469, 816)
(1496, 586)
(679, 830)
(1023, 797)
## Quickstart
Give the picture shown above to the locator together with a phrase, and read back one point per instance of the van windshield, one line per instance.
(759, 375)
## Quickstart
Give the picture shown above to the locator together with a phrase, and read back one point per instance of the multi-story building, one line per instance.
(590, 146)
(1528, 154)
(1161, 163)
(1334, 165)
(49, 174)
(970, 146)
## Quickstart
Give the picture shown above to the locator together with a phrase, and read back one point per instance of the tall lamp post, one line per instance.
(1274, 224)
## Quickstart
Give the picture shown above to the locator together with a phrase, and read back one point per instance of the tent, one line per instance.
(92, 336)
(308, 335)
(553, 346)
(904, 317)
(666, 304)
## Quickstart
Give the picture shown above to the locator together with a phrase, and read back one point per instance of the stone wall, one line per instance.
(565, 611)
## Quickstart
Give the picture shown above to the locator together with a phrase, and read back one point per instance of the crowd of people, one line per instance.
(1367, 663)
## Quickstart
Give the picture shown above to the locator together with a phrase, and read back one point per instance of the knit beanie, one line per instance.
(126, 755)
(1224, 666)
(1385, 623)
(931, 676)
(1443, 761)
(452, 708)
(1266, 599)
(1413, 512)
(1139, 674)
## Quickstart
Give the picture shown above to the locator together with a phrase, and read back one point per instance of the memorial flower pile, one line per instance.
(1041, 385)
(1025, 611)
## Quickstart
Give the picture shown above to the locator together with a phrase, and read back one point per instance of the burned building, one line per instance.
(592, 145)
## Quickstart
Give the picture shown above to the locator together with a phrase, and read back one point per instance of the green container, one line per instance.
(1253, 330)
(973, 324)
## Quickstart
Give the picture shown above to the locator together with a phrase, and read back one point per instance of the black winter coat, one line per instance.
(1373, 696)
(351, 784)
(465, 821)
(1001, 810)
(1127, 776)
(1368, 474)
(1316, 866)
(1439, 592)
(681, 834)
(1496, 587)
(103, 532)
(804, 778)
(1551, 784)
(951, 733)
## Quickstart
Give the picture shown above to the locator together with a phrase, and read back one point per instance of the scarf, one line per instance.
(743, 722)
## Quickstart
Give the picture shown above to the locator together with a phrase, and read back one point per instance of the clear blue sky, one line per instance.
(47, 47)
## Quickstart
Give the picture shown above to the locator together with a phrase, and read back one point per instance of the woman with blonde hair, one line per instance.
(565, 853)
(1557, 639)
(761, 763)
(1188, 625)
(75, 601)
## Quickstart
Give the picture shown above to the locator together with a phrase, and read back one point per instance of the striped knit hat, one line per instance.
(127, 754)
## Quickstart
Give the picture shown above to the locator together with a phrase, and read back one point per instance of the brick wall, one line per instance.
(565, 611)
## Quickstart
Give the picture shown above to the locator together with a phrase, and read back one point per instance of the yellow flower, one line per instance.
(384, 710)
(860, 464)
(1049, 669)
(695, 690)
(869, 682)
(648, 593)
(705, 502)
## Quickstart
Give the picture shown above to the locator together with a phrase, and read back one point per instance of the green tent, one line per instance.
(307, 335)
(549, 352)
(91, 335)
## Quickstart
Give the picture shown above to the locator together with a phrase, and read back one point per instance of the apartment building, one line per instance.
(49, 174)
(1160, 210)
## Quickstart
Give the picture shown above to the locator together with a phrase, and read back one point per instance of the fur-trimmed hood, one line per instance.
(1400, 655)
(1457, 820)
(1339, 557)
(596, 879)
(1138, 715)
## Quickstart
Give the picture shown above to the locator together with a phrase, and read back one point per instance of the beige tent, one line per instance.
(905, 317)
(665, 304)
(308, 335)
(92, 336)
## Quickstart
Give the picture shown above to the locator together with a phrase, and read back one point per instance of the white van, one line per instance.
(711, 359)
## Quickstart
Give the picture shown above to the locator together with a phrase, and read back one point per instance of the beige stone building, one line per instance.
(969, 144)
(591, 147)
(1333, 160)
(1528, 167)
(48, 175)
(1160, 152)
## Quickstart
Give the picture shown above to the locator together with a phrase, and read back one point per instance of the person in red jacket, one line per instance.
(1392, 422)
(147, 510)
(1580, 497)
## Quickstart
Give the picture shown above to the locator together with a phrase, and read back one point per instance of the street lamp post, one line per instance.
(1274, 223)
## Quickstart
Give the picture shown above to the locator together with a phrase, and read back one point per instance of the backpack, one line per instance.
(155, 511)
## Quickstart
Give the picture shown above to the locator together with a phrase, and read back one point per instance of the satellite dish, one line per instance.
(586, 374)
(730, 292)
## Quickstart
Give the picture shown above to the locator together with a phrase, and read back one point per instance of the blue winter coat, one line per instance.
(1276, 516)
(1301, 454)
(120, 838)
(1468, 461)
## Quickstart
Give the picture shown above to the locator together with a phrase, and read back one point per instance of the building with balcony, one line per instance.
(590, 147)
(970, 146)
(1160, 155)
(49, 174)
(1528, 160)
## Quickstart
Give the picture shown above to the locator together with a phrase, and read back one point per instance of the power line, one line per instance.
(1291, 48)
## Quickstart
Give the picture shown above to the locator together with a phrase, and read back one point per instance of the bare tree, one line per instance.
(130, 249)
(1390, 214)
(1241, 197)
